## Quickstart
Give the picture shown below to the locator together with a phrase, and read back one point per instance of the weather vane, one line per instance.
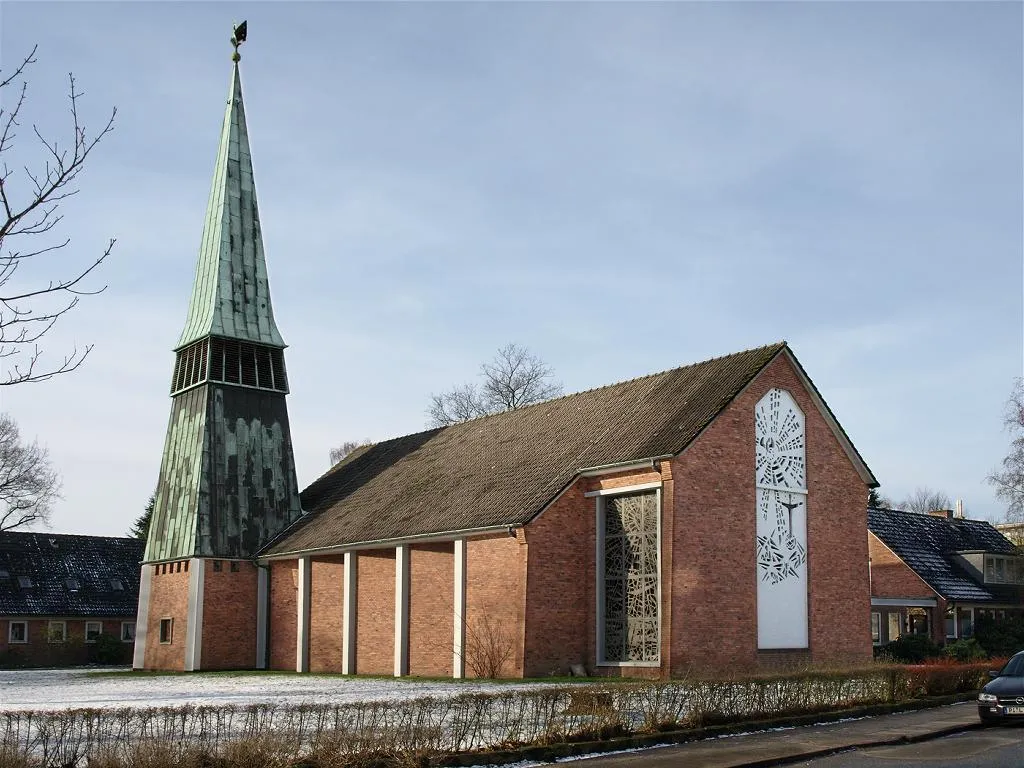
(237, 39)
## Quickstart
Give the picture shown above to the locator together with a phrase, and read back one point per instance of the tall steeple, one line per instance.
(227, 481)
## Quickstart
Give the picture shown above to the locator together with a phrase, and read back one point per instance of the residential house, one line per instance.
(936, 574)
(59, 593)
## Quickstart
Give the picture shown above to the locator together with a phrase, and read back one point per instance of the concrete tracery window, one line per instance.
(628, 527)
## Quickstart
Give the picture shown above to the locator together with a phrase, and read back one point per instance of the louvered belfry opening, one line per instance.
(229, 361)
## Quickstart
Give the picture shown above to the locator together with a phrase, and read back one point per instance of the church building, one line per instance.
(712, 516)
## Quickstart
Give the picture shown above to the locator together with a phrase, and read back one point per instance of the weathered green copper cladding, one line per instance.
(227, 482)
(227, 479)
(231, 295)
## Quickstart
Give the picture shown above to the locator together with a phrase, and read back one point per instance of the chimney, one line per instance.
(945, 513)
(960, 508)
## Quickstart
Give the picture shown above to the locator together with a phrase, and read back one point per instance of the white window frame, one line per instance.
(10, 632)
(93, 624)
(50, 625)
(600, 497)
(945, 618)
(876, 627)
(127, 624)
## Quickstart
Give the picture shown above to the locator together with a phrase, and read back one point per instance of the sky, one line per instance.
(622, 188)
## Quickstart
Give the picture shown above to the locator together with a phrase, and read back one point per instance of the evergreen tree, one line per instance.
(140, 528)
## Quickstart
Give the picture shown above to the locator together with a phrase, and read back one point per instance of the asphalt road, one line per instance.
(998, 747)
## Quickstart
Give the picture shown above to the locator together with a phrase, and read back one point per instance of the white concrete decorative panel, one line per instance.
(781, 480)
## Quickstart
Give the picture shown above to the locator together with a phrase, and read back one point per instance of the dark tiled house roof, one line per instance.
(504, 469)
(49, 574)
(926, 543)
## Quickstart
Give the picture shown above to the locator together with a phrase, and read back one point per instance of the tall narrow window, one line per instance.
(630, 613)
(781, 480)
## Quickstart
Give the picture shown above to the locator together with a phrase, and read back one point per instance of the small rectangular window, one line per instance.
(117, 585)
(166, 628)
(894, 627)
(216, 566)
(950, 623)
(128, 631)
(234, 566)
(56, 631)
(93, 629)
(24, 582)
(876, 628)
(72, 585)
(990, 569)
(18, 632)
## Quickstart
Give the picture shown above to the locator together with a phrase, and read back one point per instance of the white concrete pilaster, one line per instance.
(459, 603)
(348, 616)
(262, 615)
(194, 621)
(142, 618)
(401, 610)
(302, 641)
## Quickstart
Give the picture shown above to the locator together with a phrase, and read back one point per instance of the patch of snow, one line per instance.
(50, 689)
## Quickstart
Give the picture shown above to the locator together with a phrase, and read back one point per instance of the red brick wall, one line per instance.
(496, 593)
(890, 576)
(283, 613)
(325, 607)
(714, 580)
(375, 612)
(168, 598)
(431, 609)
(38, 652)
(229, 615)
(560, 610)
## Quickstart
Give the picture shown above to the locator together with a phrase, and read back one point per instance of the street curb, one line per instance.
(815, 754)
(550, 753)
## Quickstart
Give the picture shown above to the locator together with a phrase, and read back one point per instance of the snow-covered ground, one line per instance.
(49, 689)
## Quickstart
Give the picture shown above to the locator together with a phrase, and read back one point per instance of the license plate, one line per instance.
(1015, 710)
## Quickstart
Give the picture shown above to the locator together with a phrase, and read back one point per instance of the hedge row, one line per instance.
(412, 731)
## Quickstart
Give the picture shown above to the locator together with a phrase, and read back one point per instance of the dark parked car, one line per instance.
(1002, 699)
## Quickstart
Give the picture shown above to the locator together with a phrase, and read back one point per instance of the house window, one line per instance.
(92, 630)
(17, 632)
(128, 631)
(24, 582)
(234, 566)
(894, 626)
(950, 623)
(918, 621)
(876, 628)
(965, 618)
(56, 631)
(166, 627)
(629, 630)
(117, 585)
(216, 566)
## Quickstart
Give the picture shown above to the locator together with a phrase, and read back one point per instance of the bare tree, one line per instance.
(513, 379)
(343, 450)
(28, 482)
(31, 305)
(1008, 479)
(925, 500)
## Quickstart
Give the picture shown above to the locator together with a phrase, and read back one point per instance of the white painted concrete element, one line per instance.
(459, 640)
(194, 621)
(262, 613)
(401, 610)
(348, 616)
(302, 641)
(142, 618)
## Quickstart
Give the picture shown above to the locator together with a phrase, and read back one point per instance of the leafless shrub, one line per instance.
(489, 646)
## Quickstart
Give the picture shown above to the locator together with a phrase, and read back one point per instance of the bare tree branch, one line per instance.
(926, 500)
(513, 379)
(28, 482)
(30, 307)
(1008, 479)
(343, 450)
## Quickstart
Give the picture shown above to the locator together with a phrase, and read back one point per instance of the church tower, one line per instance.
(227, 479)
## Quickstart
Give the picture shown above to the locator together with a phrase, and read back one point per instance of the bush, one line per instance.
(107, 649)
(1000, 638)
(911, 649)
(965, 650)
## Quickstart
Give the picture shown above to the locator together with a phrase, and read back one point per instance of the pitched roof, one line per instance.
(926, 543)
(502, 470)
(231, 294)
(68, 575)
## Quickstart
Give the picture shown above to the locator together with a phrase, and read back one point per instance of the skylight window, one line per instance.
(72, 585)
(24, 582)
(117, 585)
(4, 574)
